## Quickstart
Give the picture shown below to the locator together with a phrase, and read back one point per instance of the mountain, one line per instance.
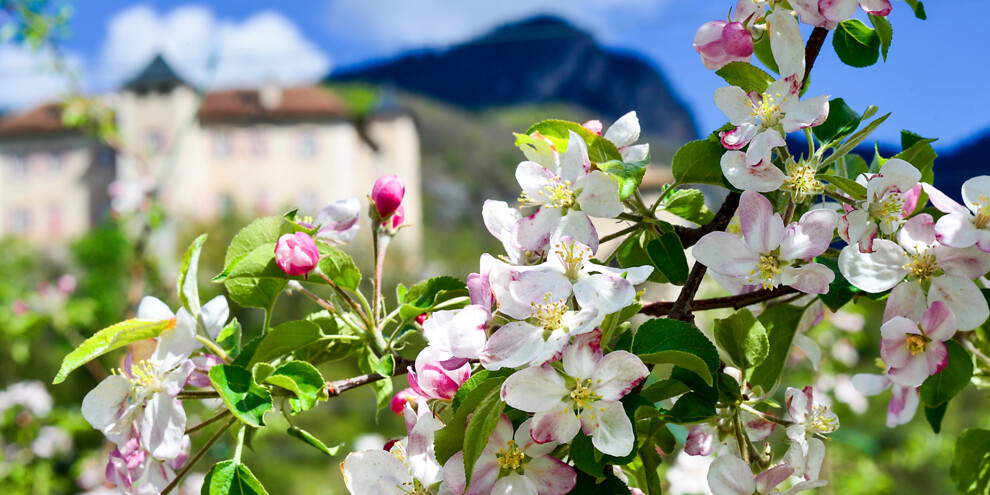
(539, 60)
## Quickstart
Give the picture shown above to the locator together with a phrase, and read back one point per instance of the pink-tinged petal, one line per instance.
(761, 228)
(375, 471)
(511, 346)
(853, 225)
(550, 476)
(482, 479)
(786, 43)
(869, 384)
(737, 42)
(534, 389)
(903, 404)
(918, 233)
(805, 485)
(734, 102)
(799, 403)
(809, 237)
(969, 263)
(535, 286)
(838, 10)
(575, 161)
(907, 300)
(938, 322)
(913, 373)
(943, 202)
(765, 177)
(599, 195)
(957, 230)
(534, 179)
(582, 356)
(893, 335)
(936, 357)
(974, 189)
(616, 374)
(502, 434)
(730, 475)
(806, 113)
(533, 232)
(102, 405)
(163, 427)
(895, 175)
(876, 7)
(610, 429)
(809, 13)
(726, 254)
(606, 293)
(512, 484)
(814, 459)
(499, 217)
(152, 308)
(577, 225)
(963, 297)
(634, 274)
(556, 424)
(911, 198)
(700, 440)
(762, 145)
(984, 242)
(813, 278)
(769, 479)
(866, 242)
(624, 131)
(877, 271)
(738, 137)
(810, 348)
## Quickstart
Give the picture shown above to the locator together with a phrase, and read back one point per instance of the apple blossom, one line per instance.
(338, 221)
(828, 13)
(433, 379)
(904, 401)
(296, 254)
(720, 42)
(387, 194)
(623, 134)
(914, 351)
(964, 226)
(891, 196)
(767, 252)
(458, 333)
(135, 472)
(512, 463)
(809, 417)
(585, 396)
(730, 475)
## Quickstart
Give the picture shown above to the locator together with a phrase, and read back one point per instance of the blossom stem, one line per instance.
(347, 299)
(741, 440)
(296, 286)
(663, 194)
(223, 414)
(690, 236)
(616, 235)
(240, 444)
(840, 198)
(774, 419)
(216, 350)
(197, 394)
(192, 462)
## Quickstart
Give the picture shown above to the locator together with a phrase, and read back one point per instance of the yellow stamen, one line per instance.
(512, 458)
(916, 343)
(550, 314)
(982, 210)
(922, 265)
(583, 395)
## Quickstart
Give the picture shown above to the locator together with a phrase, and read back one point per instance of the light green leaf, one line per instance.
(629, 175)
(854, 140)
(884, 31)
(450, 439)
(315, 442)
(230, 337)
(667, 255)
(228, 478)
(848, 186)
(600, 150)
(971, 462)
(940, 388)
(108, 339)
(856, 44)
(303, 380)
(688, 204)
(188, 287)
(245, 399)
(287, 338)
(368, 362)
(660, 335)
(698, 162)
(479, 429)
(746, 76)
(338, 266)
(919, 9)
(744, 339)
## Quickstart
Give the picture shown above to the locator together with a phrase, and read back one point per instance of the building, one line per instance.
(258, 151)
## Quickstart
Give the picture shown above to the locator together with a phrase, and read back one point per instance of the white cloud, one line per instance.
(266, 45)
(28, 77)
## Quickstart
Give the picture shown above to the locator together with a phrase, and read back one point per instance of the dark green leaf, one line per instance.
(479, 429)
(430, 292)
(588, 484)
(227, 478)
(854, 140)
(188, 287)
(920, 154)
(582, 452)
(691, 407)
(108, 339)
(848, 186)
(632, 252)
(934, 415)
(919, 9)
(971, 462)
(315, 442)
(339, 266)
(667, 255)
(450, 439)
(761, 48)
(746, 76)
(240, 394)
(744, 339)
(287, 338)
(629, 175)
(660, 336)
(856, 44)
(688, 204)
(941, 387)
(781, 323)
(884, 31)
(841, 121)
(664, 389)
(600, 150)
(698, 162)
(840, 291)
(230, 337)
(303, 380)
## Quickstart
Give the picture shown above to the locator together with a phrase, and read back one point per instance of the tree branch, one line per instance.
(690, 235)
(812, 48)
(663, 308)
(336, 387)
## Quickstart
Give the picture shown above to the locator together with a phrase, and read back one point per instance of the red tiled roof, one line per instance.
(44, 119)
(296, 103)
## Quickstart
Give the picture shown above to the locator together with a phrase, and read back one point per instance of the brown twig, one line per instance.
(336, 387)
(812, 48)
(690, 235)
(663, 308)
(209, 443)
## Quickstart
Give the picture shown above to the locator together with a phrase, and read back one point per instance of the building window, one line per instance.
(221, 144)
(20, 222)
(259, 143)
(307, 144)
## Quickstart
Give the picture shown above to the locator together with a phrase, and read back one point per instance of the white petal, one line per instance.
(761, 228)
(581, 357)
(974, 189)
(376, 471)
(215, 314)
(534, 389)
(177, 343)
(616, 374)
(907, 300)
(533, 232)
(869, 385)
(810, 237)
(957, 230)
(513, 345)
(606, 293)
(599, 195)
(163, 427)
(624, 131)
(555, 424)
(735, 103)
(876, 271)
(611, 430)
(729, 475)
(575, 161)
(963, 297)
(807, 113)
(969, 263)
(726, 254)
(550, 476)
(534, 179)
(514, 484)
(765, 177)
(786, 43)
(761, 147)
(152, 308)
(499, 217)
(101, 405)
(636, 153)
(812, 278)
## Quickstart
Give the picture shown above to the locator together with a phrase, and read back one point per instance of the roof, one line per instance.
(295, 104)
(46, 118)
(158, 74)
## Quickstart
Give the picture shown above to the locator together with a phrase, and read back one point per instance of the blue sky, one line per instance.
(932, 82)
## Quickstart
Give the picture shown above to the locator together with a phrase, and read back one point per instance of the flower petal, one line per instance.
(963, 297)
(534, 389)
(513, 484)
(611, 431)
(624, 131)
(376, 471)
(969, 263)
(765, 177)
(101, 405)
(555, 424)
(152, 308)
(582, 356)
(807, 113)
(599, 195)
(813, 278)
(786, 43)
(575, 161)
(604, 292)
(761, 228)
(957, 230)
(511, 346)
(163, 427)
(908, 300)
(616, 374)
(730, 475)
(938, 322)
(877, 271)
(903, 404)
(725, 254)
(809, 237)
(943, 202)
(534, 179)
(550, 476)
(735, 103)
(215, 314)
(974, 189)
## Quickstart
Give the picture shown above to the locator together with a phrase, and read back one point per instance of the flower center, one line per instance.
(982, 211)
(766, 273)
(801, 181)
(558, 194)
(768, 109)
(573, 256)
(889, 209)
(144, 377)
(550, 314)
(823, 420)
(922, 265)
(916, 343)
(510, 458)
(583, 395)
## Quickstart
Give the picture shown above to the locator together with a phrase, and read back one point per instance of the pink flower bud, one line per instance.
(594, 126)
(700, 440)
(421, 318)
(432, 380)
(720, 42)
(296, 254)
(399, 400)
(398, 217)
(387, 194)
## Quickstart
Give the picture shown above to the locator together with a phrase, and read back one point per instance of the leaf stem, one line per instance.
(213, 348)
(240, 444)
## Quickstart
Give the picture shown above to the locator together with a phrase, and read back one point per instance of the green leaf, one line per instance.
(934, 415)
(840, 291)
(427, 293)
(338, 266)
(582, 452)
(667, 341)
(841, 121)
(856, 44)
(761, 49)
(698, 162)
(588, 484)
(108, 339)
(971, 462)
(849, 186)
(744, 339)
(230, 337)
(780, 322)
(245, 399)
(688, 204)
(667, 255)
(287, 338)
(368, 362)
(261, 371)
(600, 150)
(919, 153)
(315, 442)
(386, 366)
(939, 388)
(664, 389)
(850, 166)
(884, 31)
(228, 478)
(854, 140)
(746, 76)
(632, 252)
(691, 407)
(629, 175)
(303, 380)
(919, 9)
(450, 439)
(479, 429)
(188, 287)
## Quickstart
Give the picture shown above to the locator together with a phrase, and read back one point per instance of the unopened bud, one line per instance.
(387, 194)
(720, 42)
(296, 254)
